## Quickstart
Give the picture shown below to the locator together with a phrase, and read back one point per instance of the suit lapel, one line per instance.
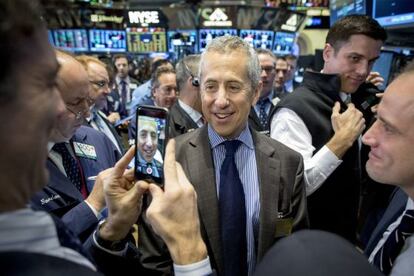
(268, 169)
(394, 210)
(59, 182)
(201, 172)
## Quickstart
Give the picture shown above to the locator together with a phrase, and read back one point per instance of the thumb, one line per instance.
(156, 191)
(336, 108)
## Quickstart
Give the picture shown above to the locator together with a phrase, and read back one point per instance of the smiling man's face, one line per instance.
(226, 92)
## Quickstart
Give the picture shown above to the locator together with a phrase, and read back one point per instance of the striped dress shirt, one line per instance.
(247, 167)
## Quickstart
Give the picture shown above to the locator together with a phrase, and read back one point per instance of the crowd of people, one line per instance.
(253, 162)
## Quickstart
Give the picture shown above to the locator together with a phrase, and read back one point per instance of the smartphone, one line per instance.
(150, 142)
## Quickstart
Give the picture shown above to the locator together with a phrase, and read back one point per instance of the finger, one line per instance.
(170, 170)
(155, 191)
(122, 164)
(379, 95)
(182, 178)
(336, 108)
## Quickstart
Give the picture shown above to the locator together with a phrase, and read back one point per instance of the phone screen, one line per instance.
(150, 140)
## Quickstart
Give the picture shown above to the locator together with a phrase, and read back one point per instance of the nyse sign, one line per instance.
(144, 18)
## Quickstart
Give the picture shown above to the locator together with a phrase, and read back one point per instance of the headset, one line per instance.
(194, 80)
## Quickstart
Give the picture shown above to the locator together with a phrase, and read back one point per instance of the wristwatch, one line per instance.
(109, 245)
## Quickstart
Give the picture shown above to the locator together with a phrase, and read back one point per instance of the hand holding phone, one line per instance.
(150, 141)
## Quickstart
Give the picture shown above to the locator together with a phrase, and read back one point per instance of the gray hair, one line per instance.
(187, 67)
(228, 44)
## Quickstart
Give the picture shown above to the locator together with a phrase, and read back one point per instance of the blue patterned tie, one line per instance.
(123, 92)
(386, 256)
(70, 165)
(232, 214)
(262, 111)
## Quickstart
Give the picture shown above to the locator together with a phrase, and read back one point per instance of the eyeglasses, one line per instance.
(268, 69)
(168, 90)
(100, 84)
(78, 115)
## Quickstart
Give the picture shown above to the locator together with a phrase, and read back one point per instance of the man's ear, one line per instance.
(256, 93)
(328, 52)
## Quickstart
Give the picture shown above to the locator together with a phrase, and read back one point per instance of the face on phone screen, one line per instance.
(150, 143)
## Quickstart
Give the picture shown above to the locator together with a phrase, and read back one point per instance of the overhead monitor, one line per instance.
(393, 13)
(146, 40)
(284, 43)
(73, 40)
(341, 8)
(182, 39)
(112, 41)
(206, 35)
(258, 38)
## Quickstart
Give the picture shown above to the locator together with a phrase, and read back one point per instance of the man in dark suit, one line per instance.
(259, 113)
(250, 188)
(98, 92)
(76, 154)
(186, 114)
(290, 82)
(391, 161)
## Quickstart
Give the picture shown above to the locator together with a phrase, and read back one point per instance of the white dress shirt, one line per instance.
(194, 114)
(288, 128)
(403, 265)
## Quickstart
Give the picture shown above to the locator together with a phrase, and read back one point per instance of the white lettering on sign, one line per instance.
(105, 18)
(218, 18)
(144, 17)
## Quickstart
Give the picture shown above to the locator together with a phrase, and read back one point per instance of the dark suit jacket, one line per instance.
(282, 188)
(60, 196)
(180, 121)
(254, 121)
(394, 210)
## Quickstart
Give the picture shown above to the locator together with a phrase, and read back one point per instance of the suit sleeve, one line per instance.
(299, 211)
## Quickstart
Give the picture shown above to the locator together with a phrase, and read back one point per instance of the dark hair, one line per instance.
(355, 24)
(158, 63)
(118, 56)
(17, 28)
(157, 74)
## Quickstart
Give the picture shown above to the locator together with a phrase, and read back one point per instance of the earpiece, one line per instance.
(195, 82)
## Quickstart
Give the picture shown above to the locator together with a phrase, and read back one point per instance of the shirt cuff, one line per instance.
(200, 268)
(326, 161)
(118, 253)
(94, 211)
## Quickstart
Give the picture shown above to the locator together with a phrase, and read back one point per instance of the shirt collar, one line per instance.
(194, 114)
(118, 80)
(245, 137)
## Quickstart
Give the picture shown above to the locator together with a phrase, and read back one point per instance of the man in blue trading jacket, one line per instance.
(76, 154)
(147, 147)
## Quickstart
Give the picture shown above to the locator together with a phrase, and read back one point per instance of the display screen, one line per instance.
(182, 39)
(383, 65)
(393, 12)
(341, 8)
(206, 35)
(146, 40)
(107, 40)
(73, 40)
(150, 146)
(284, 43)
(258, 39)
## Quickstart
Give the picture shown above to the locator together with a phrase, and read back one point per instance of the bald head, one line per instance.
(73, 85)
